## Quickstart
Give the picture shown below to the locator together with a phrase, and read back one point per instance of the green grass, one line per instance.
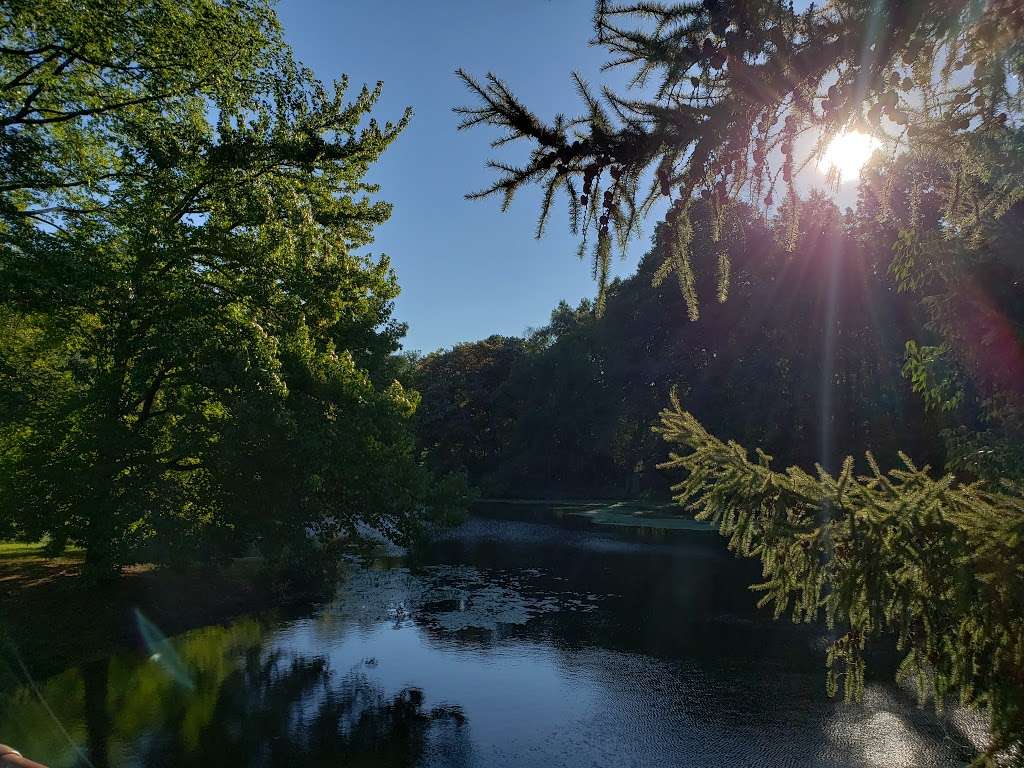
(633, 514)
(14, 551)
(629, 514)
(19, 548)
(622, 515)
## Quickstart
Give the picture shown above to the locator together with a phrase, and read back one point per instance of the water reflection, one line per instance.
(252, 702)
(510, 643)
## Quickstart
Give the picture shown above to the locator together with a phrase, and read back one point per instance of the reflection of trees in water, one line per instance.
(96, 678)
(249, 707)
(27, 722)
(280, 710)
(471, 606)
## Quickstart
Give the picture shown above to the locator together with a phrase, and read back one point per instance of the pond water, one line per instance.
(511, 642)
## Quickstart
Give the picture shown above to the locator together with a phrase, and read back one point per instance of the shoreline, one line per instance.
(50, 619)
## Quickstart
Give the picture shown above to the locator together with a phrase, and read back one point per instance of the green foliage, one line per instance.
(194, 353)
(78, 76)
(936, 386)
(467, 411)
(680, 233)
(740, 86)
(961, 261)
(565, 412)
(738, 89)
(937, 563)
(723, 92)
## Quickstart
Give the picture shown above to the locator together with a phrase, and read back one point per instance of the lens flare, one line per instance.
(162, 653)
(848, 153)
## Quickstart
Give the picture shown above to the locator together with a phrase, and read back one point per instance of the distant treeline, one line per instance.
(803, 357)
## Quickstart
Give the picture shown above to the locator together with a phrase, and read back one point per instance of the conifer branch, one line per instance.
(730, 71)
(935, 563)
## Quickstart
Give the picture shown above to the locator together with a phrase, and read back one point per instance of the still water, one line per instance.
(511, 642)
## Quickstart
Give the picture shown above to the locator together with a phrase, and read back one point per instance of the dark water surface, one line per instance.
(512, 643)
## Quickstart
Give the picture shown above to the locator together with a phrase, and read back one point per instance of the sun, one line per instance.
(847, 154)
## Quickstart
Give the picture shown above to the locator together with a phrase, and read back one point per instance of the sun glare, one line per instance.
(847, 154)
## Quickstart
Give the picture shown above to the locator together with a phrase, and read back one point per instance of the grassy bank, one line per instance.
(627, 514)
(53, 619)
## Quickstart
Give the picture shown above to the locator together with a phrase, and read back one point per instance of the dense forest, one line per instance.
(803, 357)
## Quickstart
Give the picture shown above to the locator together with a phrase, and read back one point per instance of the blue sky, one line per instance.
(466, 269)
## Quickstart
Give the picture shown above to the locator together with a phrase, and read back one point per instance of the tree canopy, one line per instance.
(566, 411)
(193, 330)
